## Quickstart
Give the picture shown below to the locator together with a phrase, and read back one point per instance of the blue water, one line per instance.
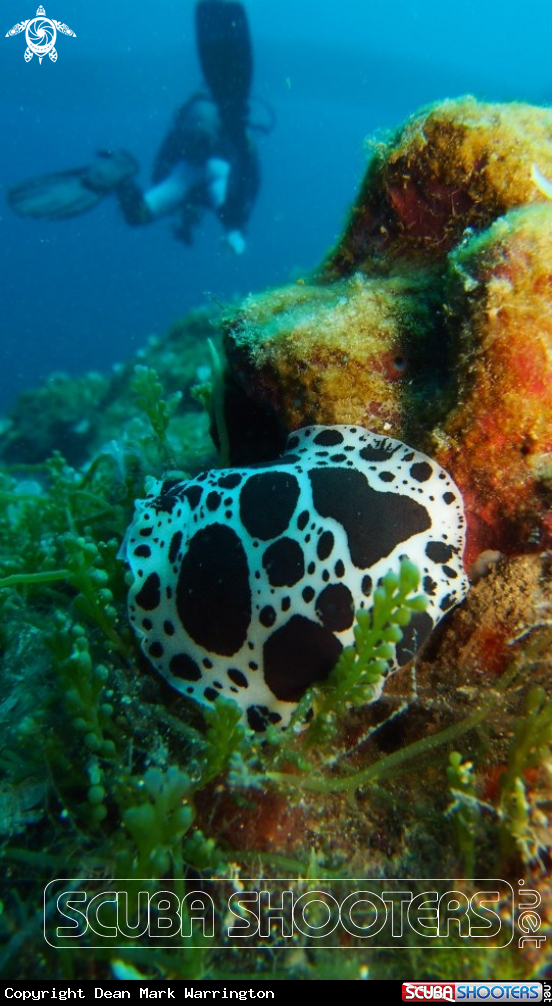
(85, 293)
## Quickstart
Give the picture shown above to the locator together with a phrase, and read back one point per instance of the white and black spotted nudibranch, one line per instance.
(247, 580)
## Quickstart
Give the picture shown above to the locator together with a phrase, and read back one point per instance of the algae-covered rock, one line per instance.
(498, 435)
(431, 320)
(454, 164)
(360, 350)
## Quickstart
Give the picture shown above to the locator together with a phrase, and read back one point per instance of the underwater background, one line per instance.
(84, 293)
(430, 320)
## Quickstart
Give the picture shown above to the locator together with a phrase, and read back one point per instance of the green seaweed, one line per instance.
(148, 390)
(530, 749)
(464, 810)
(358, 676)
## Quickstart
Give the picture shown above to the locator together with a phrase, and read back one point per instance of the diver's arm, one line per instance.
(140, 208)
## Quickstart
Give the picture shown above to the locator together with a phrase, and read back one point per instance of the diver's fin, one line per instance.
(225, 54)
(69, 193)
(53, 197)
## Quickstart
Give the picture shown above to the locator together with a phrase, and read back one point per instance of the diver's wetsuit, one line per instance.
(204, 163)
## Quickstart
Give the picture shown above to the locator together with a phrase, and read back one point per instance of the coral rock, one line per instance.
(499, 434)
(431, 321)
(360, 351)
(453, 165)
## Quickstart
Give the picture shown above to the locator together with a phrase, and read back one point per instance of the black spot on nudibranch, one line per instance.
(238, 678)
(377, 452)
(258, 717)
(193, 494)
(267, 502)
(297, 655)
(303, 520)
(182, 666)
(174, 547)
(213, 501)
(284, 563)
(450, 572)
(267, 616)
(328, 438)
(213, 594)
(149, 596)
(229, 481)
(421, 471)
(168, 497)
(335, 607)
(348, 498)
(143, 551)
(325, 545)
(439, 552)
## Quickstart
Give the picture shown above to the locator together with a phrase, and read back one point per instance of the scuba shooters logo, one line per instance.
(40, 34)
(369, 913)
(455, 992)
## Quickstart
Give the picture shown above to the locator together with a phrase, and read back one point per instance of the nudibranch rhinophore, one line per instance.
(247, 580)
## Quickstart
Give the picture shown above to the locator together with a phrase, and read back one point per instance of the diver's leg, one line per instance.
(226, 55)
(170, 194)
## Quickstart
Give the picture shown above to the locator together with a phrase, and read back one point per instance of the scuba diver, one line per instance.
(207, 161)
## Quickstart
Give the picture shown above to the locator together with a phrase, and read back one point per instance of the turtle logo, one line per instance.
(40, 33)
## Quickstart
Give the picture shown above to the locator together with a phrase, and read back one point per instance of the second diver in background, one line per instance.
(207, 161)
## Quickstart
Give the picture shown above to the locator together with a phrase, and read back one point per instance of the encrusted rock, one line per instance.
(431, 321)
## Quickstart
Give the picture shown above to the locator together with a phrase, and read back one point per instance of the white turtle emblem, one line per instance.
(40, 33)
